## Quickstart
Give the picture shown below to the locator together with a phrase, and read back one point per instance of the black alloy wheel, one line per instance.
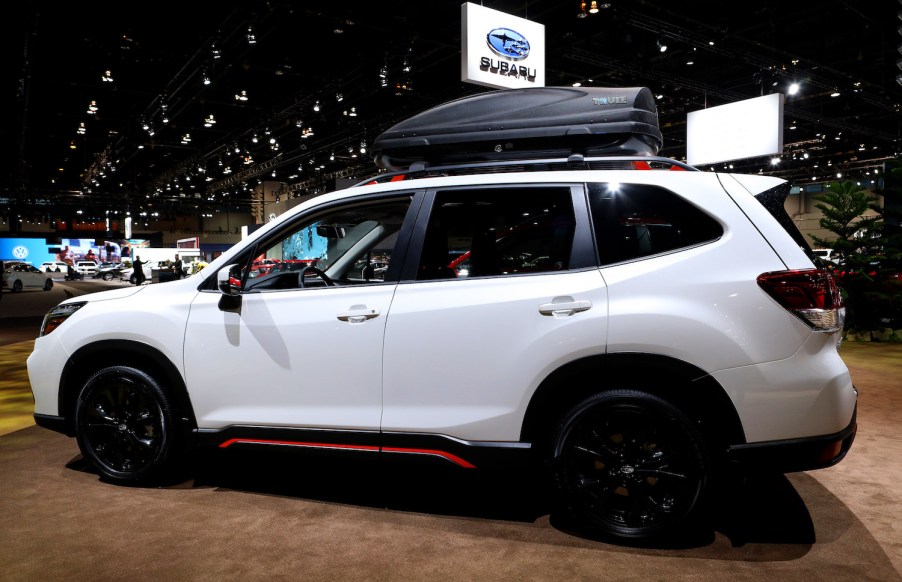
(17, 286)
(630, 465)
(126, 426)
(48, 284)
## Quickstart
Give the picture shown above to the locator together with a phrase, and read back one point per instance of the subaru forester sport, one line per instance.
(630, 326)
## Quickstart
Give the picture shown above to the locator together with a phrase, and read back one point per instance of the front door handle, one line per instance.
(564, 307)
(358, 314)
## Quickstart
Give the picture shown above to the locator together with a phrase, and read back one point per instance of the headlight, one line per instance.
(56, 316)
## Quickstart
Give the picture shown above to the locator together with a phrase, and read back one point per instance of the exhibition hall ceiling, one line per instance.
(297, 89)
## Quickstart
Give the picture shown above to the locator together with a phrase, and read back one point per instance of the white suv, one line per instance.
(86, 267)
(631, 329)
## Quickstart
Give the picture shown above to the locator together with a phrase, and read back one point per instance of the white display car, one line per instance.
(86, 267)
(630, 331)
(54, 267)
(18, 276)
(128, 274)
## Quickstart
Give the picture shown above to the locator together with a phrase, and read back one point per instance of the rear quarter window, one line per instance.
(632, 221)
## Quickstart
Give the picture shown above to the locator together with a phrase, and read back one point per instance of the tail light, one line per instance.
(812, 295)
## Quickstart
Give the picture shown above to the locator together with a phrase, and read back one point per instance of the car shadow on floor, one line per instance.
(760, 510)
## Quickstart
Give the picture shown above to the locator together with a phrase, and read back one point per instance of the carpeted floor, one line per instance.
(302, 518)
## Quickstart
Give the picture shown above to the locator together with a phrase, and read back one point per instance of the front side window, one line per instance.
(636, 220)
(498, 231)
(348, 245)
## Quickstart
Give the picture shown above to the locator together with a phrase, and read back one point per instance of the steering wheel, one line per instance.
(318, 272)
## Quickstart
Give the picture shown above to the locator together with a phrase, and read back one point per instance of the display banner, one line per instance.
(735, 131)
(500, 50)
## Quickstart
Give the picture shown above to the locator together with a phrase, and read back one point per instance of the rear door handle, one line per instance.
(564, 307)
(358, 314)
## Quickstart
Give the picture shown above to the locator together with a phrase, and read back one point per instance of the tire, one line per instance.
(127, 427)
(628, 464)
(48, 284)
(133, 279)
(107, 276)
(17, 286)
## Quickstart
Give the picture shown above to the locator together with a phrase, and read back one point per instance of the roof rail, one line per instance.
(423, 169)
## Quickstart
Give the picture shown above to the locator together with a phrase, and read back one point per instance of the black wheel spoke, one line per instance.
(629, 464)
(124, 420)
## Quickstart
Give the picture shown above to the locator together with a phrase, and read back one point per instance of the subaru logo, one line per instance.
(508, 43)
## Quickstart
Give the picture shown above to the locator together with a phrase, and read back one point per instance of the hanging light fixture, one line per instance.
(593, 8)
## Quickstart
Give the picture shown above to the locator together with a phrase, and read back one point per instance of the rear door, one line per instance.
(503, 291)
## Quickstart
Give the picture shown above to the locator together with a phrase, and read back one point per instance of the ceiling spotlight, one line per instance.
(92, 108)
(316, 105)
(593, 7)
(209, 121)
(582, 10)
(662, 46)
(107, 76)
(793, 88)
(241, 96)
(206, 79)
(353, 112)
(251, 37)
(339, 97)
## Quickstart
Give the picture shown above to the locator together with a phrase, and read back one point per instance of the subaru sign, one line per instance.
(499, 50)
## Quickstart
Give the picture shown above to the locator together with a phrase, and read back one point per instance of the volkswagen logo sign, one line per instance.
(20, 252)
(508, 43)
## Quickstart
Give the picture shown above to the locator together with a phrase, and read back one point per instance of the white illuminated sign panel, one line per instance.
(745, 129)
(499, 50)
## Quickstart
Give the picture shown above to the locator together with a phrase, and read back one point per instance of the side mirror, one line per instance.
(228, 279)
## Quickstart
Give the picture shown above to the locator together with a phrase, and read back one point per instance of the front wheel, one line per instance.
(48, 284)
(630, 465)
(127, 427)
(107, 276)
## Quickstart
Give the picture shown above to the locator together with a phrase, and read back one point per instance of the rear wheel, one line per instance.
(630, 465)
(127, 426)
(17, 287)
(48, 284)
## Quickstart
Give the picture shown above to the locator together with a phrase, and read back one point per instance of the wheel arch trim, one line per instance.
(94, 356)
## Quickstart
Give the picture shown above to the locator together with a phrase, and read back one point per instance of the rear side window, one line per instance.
(498, 231)
(636, 220)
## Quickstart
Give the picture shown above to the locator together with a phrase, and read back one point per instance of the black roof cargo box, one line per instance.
(539, 122)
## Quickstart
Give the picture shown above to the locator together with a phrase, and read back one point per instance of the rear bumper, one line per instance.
(793, 455)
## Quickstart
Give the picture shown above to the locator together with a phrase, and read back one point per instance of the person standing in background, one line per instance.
(177, 268)
(138, 264)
